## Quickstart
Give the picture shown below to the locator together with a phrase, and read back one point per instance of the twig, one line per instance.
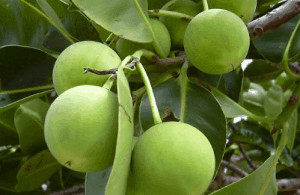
(274, 19)
(79, 190)
(178, 60)
(249, 161)
(234, 168)
(111, 71)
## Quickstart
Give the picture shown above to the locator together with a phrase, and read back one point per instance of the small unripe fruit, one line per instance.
(126, 47)
(81, 128)
(177, 26)
(68, 69)
(245, 9)
(172, 158)
(216, 41)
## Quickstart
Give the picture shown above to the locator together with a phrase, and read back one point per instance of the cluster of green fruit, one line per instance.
(81, 130)
(169, 158)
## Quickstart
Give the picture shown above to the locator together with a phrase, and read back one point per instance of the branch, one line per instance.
(178, 60)
(234, 168)
(111, 71)
(274, 19)
(249, 161)
(79, 190)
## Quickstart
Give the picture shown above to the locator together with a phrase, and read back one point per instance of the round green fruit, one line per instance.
(81, 128)
(68, 69)
(216, 41)
(245, 9)
(126, 47)
(177, 26)
(172, 158)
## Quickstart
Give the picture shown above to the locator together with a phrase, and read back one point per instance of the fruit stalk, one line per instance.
(152, 101)
(155, 112)
(156, 44)
(205, 5)
(172, 14)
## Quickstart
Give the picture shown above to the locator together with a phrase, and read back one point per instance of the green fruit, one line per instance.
(216, 41)
(81, 128)
(172, 158)
(68, 69)
(177, 26)
(126, 47)
(245, 9)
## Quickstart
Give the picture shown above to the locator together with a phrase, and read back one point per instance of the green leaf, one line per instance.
(24, 71)
(273, 44)
(262, 177)
(23, 67)
(273, 103)
(51, 17)
(254, 134)
(29, 122)
(117, 181)
(200, 109)
(8, 133)
(36, 170)
(95, 183)
(24, 100)
(35, 31)
(261, 70)
(292, 130)
(117, 16)
(229, 83)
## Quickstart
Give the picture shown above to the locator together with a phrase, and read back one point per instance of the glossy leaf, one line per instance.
(23, 68)
(117, 16)
(35, 31)
(273, 44)
(24, 100)
(273, 102)
(36, 170)
(8, 132)
(54, 19)
(262, 177)
(254, 134)
(29, 122)
(261, 70)
(117, 182)
(95, 183)
(229, 83)
(292, 130)
(201, 110)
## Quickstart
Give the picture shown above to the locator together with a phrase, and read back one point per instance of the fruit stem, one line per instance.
(205, 5)
(110, 81)
(184, 80)
(155, 42)
(172, 14)
(285, 59)
(149, 90)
